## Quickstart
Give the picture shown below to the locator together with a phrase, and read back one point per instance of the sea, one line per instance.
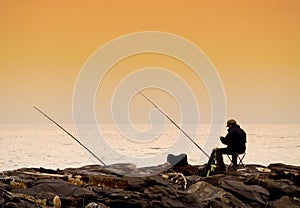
(48, 146)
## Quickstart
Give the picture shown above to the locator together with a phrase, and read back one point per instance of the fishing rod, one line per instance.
(173, 122)
(44, 114)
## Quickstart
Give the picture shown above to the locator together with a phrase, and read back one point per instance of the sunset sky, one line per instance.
(253, 44)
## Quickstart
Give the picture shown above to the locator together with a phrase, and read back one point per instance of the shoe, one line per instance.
(232, 168)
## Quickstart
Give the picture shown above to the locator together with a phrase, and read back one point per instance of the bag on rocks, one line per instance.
(179, 160)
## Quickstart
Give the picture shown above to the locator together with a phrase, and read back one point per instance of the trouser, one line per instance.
(219, 157)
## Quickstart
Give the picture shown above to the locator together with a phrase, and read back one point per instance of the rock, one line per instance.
(286, 171)
(86, 170)
(153, 170)
(57, 202)
(95, 205)
(45, 190)
(4, 186)
(277, 188)
(209, 194)
(279, 167)
(136, 183)
(285, 201)
(20, 204)
(187, 170)
(246, 193)
(177, 178)
(281, 187)
(125, 185)
(95, 176)
(104, 180)
(123, 169)
(213, 180)
(120, 198)
(167, 196)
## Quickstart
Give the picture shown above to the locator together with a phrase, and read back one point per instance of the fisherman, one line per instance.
(236, 144)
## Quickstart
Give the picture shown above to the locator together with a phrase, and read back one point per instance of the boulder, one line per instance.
(46, 189)
(290, 172)
(246, 193)
(285, 201)
(281, 187)
(125, 185)
(95, 205)
(105, 180)
(214, 196)
(120, 198)
(167, 196)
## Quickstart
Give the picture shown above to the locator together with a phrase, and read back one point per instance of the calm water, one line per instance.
(49, 147)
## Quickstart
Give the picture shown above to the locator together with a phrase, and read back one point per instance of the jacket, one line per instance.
(235, 140)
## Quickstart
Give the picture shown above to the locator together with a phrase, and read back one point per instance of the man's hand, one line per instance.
(223, 140)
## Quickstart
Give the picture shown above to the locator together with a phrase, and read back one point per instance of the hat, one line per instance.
(231, 122)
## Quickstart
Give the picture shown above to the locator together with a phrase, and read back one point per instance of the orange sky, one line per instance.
(253, 44)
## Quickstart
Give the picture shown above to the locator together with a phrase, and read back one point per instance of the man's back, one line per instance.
(235, 140)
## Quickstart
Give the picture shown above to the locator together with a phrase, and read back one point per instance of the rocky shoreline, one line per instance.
(124, 185)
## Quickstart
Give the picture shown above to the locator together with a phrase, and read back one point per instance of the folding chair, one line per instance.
(240, 158)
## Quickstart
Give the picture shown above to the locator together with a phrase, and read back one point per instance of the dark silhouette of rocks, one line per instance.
(125, 185)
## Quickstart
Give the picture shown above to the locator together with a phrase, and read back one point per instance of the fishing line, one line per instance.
(44, 114)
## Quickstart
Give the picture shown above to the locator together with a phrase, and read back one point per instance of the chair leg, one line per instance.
(231, 162)
(241, 160)
(237, 164)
